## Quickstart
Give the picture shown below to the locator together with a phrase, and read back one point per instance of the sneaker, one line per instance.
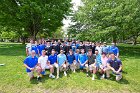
(51, 76)
(39, 79)
(57, 77)
(74, 70)
(87, 75)
(65, 74)
(93, 78)
(102, 77)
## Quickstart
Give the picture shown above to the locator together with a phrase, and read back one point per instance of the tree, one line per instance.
(108, 20)
(34, 15)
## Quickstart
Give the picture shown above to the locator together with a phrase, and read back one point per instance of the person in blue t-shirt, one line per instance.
(31, 63)
(115, 65)
(76, 58)
(62, 62)
(83, 59)
(105, 48)
(36, 48)
(73, 47)
(53, 61)
(114, 49)
(41, 47)
(71, 60)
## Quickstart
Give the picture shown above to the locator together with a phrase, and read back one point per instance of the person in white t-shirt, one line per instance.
(29, 48)
(44, 64)
(99, 48)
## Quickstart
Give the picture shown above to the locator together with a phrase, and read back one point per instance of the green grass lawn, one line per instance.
(13, 77)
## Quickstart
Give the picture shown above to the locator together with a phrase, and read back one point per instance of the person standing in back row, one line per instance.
(114, 49)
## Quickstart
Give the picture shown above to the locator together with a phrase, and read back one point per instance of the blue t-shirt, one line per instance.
(77, 46)
(70, 58)
(105, 49)
(35, 48)
(61, 59)
(76, 57)
(98, 60)
(115, 63)
(53, 58)
(30, 62)
(41, 47)
(114, 49)
(82, 58)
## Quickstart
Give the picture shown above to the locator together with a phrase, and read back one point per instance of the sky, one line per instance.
(66, 22)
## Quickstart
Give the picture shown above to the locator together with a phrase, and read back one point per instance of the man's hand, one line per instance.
(32, 69)
(114, 70)
(117, 72)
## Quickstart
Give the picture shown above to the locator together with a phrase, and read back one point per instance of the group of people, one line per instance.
(72, 55)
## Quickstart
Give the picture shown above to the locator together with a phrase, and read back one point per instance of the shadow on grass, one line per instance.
(12, 50)
(122, 81)
(129, 51)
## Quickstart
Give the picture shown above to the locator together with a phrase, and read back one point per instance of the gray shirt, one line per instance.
(91, 59)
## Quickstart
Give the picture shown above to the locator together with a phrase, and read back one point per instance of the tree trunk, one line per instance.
(135, 40)
(23, 40)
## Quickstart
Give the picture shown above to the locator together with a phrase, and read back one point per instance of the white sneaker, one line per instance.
(103, 76)
(51, 76)
(65, 74)
(57, 77)
(74, 70)
(93, 78)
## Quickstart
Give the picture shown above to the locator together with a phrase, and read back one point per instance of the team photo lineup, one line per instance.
(64, 56)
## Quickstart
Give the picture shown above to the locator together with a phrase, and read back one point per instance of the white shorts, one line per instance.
(48, 66)
(92, 67)
(31, 74)
(55, 65)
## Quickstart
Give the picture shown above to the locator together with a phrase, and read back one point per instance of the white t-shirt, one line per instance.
(43, 61)
(99, 49)
(29, 47)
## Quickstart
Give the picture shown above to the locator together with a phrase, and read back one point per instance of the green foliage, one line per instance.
(34, 15)
(107, 20)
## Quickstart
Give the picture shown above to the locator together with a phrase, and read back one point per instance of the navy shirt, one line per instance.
(52, 59)
(115, 63)
(70, 58)
(30, 62)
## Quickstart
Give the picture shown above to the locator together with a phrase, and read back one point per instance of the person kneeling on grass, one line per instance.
(62, 62)
(115, 65)
(91, 63)
(83, 60)
(71, 60)
(53, 61)
(44, 64)
(31, 64)
(99, 63)
(104, 64)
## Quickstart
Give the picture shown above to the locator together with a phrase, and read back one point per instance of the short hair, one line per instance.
(43, 51)
(96, 49)
(77, 50)
(71, 50)
(89, 50)
(33, 51)
(82, 49)
(103, 53)
(53, 49)
(61, 50)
